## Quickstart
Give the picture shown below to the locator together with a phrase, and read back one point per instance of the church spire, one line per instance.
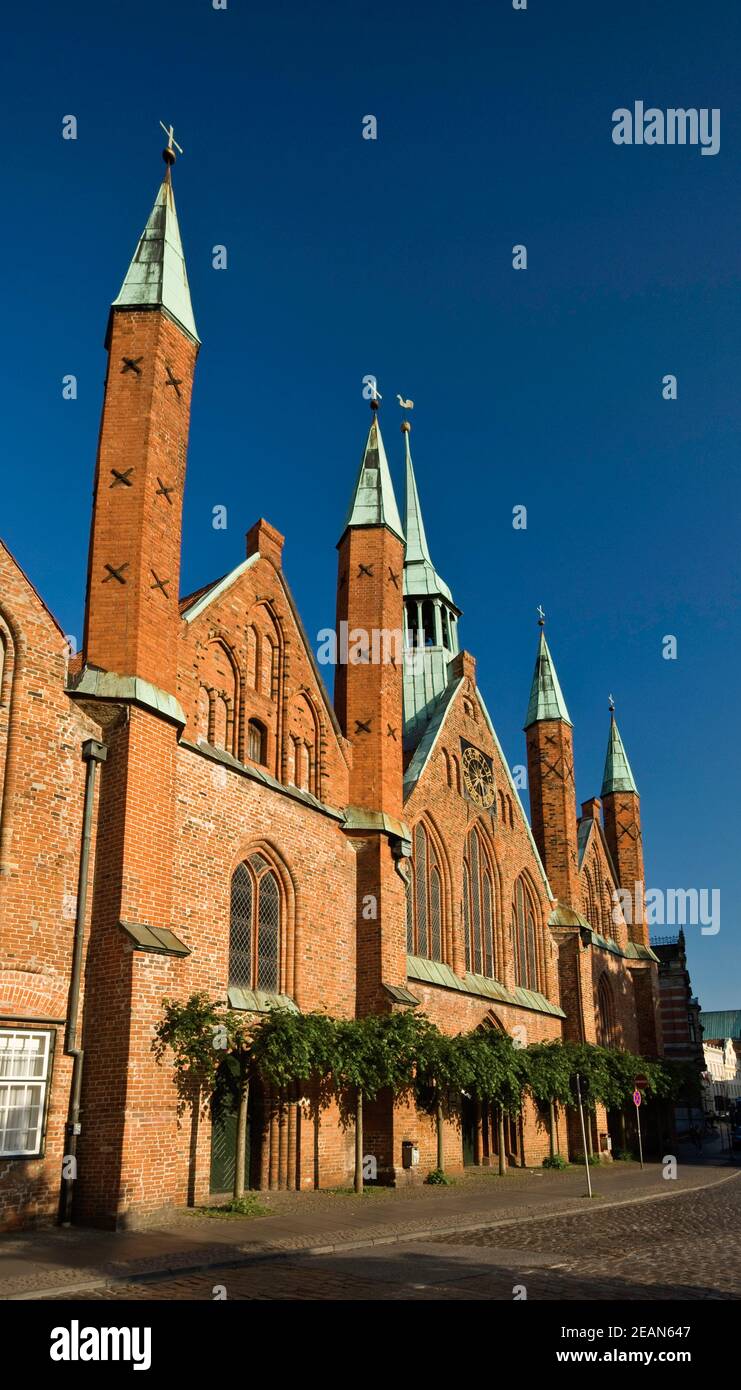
(546, 696)
(157, 278)
(618, 776)
(373, 502)
(550, 762)
(414, 527)
(420, 575)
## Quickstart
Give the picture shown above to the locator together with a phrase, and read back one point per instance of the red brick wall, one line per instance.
(132, 627)
(371, 693)
(550, 762)
(42, 779)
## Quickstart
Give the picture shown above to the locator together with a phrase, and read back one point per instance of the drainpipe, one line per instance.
(92, 754)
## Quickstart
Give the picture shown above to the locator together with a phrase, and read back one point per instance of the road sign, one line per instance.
(637, 1098)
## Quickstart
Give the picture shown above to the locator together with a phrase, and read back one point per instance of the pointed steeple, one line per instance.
(618, 776)
(546, 696)
(373, 502)
(420, 575)
(157, 277)
(414, 527)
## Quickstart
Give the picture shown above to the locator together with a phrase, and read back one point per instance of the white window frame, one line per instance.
(18, 1081)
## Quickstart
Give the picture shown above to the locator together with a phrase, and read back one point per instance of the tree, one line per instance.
(496, 1073)
(441, 1070)
(212, 1048)
(372, 1054)
(548, 1077)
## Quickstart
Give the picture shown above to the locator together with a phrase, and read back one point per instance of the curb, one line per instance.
(396, 1238)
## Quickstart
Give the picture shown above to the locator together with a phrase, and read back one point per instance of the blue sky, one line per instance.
(394, 257)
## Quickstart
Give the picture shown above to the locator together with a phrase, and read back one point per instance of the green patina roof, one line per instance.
(373, 502)
(259, 1001)
(722, 1023)
(420, 575)
(433, 972)
(546, 696)
(617, 776)
(157, 277)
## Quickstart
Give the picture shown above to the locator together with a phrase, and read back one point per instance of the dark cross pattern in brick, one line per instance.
(361, 728)
(160, 584)
(391, 733)
(131, 364)
(365, 569)
(173, 380)
(394, 578)
(122, 478)
(164, 491)
(116, 572)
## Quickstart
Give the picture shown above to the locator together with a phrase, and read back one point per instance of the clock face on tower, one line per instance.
(478, 776)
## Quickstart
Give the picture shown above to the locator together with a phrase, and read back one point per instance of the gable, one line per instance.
(462, 715)
(250, 684)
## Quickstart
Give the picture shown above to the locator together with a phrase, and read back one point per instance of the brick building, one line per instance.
(681, 1025)
(183, 807)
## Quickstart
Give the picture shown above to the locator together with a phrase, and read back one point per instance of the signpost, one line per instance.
(576, 1083)
(637, 1098)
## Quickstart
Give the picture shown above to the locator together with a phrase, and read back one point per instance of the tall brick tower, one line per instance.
(132, 621)
(368, 690)
(129, 682)
(622, 812)
(550, 761)
(369, 706)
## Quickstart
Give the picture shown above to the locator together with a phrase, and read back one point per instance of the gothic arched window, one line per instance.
(255, 926)
(609, 908)
(425, 900)
(478, 907)
(605, 1013)
(524, 936)
(593, 914)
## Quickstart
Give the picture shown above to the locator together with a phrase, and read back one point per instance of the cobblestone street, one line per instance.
(684, 1247)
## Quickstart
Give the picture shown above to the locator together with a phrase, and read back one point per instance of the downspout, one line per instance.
(92, 754)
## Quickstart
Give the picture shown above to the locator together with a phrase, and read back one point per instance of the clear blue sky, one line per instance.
(394, 257)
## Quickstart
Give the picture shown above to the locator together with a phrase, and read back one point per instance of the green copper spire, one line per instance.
(373, 502)
(431, 619)
(546, 696)
(420, 575)
(157, 277)
(414, 527)
(618, 776)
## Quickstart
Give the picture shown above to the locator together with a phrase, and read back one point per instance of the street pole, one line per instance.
(640, 1142)
(583, 1135)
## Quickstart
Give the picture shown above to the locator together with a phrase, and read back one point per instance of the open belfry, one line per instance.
(184, 808)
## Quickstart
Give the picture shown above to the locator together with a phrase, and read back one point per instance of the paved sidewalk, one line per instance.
(38, 1263)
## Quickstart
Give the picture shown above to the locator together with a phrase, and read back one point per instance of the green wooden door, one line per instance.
(224, 1153)
(468, 1127)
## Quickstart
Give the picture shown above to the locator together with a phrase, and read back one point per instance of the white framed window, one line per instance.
(25, 1065)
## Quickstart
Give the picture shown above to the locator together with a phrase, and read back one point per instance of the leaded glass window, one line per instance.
(524, 937)
(425, 930)
(478, 908)
(255, 926)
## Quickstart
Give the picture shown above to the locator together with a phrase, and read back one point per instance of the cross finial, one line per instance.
(612, 704)
(541, 615)
(168, 154)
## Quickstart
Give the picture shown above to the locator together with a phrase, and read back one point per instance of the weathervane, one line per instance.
(612, 704)
(405, 405)
(168, 154)
(541, 615)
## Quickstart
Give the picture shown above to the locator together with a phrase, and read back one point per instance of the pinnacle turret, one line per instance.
(157, 278)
